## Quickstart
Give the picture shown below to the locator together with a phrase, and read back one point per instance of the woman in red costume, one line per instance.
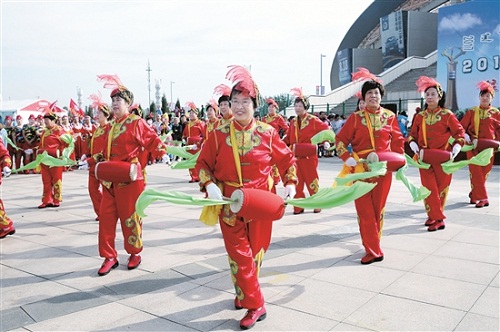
(240, 154)
(212, 117)
(98, 145)
(52, 143)
(302, 128)
(6, 224)
(127, 135)
(481, 122)
(193, 133)
(273, 118)
(373, 129)
(223, 91)
(431, 129)
(279, 124)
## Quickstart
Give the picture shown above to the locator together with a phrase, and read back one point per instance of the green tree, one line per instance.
(178, 104)
(152, 108)
(164, 105)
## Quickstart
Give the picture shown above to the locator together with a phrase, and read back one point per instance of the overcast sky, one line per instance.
(49, 48)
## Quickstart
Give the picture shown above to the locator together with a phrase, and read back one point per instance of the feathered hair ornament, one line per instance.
(113, 82)
(242, 80)
(222, 90)
(363, 74)
(96, 100)
(98, 104)
(192, 107)
(271, 101)
(486, 86)
(299, 96)
(423, 83)
(49, 111)
(212, 103)
(358, 95)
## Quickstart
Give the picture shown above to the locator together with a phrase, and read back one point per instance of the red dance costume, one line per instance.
(52, 176)
(276, 121)
(301, 130)
(97, 145)
(480, 123)
(226, 119)
(210, 125)
(194, 133)
(19, 142)
(257, 148)
(6, 224)
(431, 130)
(369, 131)
(123, 143)
(279, 124)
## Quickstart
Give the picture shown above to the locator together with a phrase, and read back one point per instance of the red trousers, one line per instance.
(307, 176)
(192, 171)
(52, 184)
(478, 177)
(438, 183)
(5, 221)
(118, 202)
(370, 209)
(245, 243)
(95, 191)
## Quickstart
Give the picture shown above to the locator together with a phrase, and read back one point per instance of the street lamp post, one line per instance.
(321, 90)
(171, 98)
(149, 70)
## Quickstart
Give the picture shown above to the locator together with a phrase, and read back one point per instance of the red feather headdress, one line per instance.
(424, 82)
(242, 78)
(222, 90)
(358, 95)
(297, 93)
(49, 111)
(213, 103)
(96, 100)
(271, 101)
(364, 74)
(192, 106)
(483, 85)
(111, 82)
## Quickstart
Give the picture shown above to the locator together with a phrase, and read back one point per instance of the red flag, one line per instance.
(74, 109)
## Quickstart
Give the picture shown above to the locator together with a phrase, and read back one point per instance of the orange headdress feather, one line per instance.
(358, 95)
(222, 90)
(241, 77)
(364, 74)
(424, 82)
(483, 85)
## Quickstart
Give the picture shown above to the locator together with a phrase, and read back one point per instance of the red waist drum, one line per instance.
(257, 204)
(434, 156)
(118, 171)
(481, 144)
(305, 149)
(394, 160)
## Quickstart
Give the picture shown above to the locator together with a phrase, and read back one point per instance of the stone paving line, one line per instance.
(311, 277)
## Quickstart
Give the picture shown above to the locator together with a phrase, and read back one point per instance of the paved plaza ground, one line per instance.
(312, 278)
